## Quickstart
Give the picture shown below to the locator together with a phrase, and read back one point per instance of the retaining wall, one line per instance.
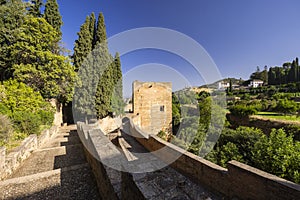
(8, 163)
(239, 180)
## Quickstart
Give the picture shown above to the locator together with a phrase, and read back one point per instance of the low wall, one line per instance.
(8, 163)
(113, 183)
(239, 180)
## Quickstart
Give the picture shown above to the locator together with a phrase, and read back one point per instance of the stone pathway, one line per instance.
(58, 170)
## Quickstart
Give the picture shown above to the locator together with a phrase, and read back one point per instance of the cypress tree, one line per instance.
(92, 28)
(53, 16)
(100, 36)
(117, 102)
(35, 8)
(83, 45)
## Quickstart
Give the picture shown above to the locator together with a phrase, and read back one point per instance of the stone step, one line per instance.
(62, 139)
(73, 182)
(51, 158)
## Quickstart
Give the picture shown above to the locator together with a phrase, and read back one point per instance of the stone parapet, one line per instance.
(238, 181)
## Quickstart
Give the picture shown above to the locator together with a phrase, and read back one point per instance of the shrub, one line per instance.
(243, 110)
(25, 107)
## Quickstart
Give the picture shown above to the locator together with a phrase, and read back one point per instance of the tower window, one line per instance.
(162, 108)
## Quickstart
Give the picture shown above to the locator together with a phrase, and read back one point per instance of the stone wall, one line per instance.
(238, 181)
(152, 103)
(8, 163)
(113, 183)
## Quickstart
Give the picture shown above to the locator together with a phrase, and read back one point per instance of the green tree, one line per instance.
(35, 64)
(117, 102)
(14, 12)
(100, 36)
(53, 17)
(35, 8)
(278, 155)
(83, 45)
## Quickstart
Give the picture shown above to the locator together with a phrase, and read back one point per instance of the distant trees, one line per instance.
(288, 73)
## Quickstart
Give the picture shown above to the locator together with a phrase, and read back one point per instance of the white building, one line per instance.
(256, 83)
(223, 85)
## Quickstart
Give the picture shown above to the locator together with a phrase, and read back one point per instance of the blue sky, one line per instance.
(238, 34)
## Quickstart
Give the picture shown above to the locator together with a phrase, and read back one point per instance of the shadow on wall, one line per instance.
(68, 113)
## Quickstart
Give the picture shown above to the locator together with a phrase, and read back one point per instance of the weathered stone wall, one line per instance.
(152, 103)
(239, 180)
(8, 163)
(113, 183)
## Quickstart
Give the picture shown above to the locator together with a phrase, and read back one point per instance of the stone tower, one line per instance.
(152, 106)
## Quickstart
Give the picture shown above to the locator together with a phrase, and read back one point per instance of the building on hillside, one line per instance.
(152, 106)
(222, 85)
(255, 83)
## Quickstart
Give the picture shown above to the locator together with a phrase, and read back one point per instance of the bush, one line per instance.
(28, 123)
(25, 107)
(242, 110)
(279, 155)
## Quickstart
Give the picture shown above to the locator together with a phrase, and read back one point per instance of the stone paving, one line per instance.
(58, 170)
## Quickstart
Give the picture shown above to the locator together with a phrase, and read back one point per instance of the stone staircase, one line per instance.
(57, 170)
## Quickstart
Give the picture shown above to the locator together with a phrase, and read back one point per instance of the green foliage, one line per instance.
(243, 138)
(12, 16)
(37, 66)
(25, 107)
(117, 102)
(35, 8)
(279, 155)
(100, 36)
(242, 110)
(176, 113)
(288, 73)
(53, 16)
(83, 45)
(286, 106)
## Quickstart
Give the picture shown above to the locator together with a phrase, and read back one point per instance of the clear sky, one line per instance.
(239, 35)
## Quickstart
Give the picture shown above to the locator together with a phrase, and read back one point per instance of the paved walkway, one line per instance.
(58, 170)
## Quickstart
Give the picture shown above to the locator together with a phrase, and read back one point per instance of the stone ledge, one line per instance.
(8, 163)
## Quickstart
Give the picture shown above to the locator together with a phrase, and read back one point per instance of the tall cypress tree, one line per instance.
(117, 103)
(100, 36)
(83, 45)
(35, 8)
(106, 82)
(92, 28)
(53, 16)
